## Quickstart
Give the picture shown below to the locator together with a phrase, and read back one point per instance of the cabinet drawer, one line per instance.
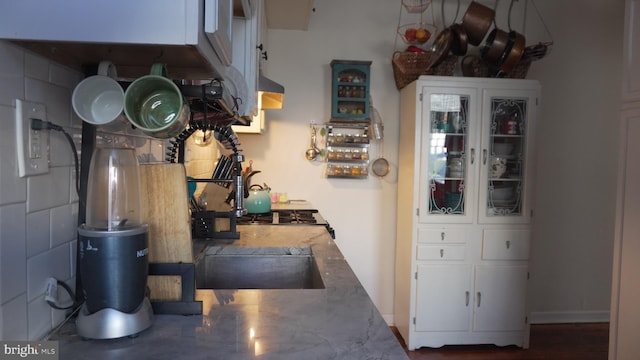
(440, 252)
(442, 235)
(505, 245)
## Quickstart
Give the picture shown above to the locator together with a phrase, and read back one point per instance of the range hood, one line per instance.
(270, 92)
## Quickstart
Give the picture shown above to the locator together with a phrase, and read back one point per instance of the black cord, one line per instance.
(71, 295)
(38, 124)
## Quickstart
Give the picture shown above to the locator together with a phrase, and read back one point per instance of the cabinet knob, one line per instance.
(442, 236)
(508, 243)
(466, 296)
(473, 155)
(441, 253)
(479, 297)
(264, 55)
(484, 156)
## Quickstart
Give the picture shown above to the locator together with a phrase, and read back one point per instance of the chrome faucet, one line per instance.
(238, 203)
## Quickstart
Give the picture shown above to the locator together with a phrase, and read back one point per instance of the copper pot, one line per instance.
(476, 22)
(441, 46)
(460, 40)
(513, 52)
(495, 46)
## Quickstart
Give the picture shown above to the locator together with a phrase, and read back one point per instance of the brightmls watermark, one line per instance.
(29, 350)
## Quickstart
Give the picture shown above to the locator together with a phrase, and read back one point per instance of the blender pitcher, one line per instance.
(113, 195)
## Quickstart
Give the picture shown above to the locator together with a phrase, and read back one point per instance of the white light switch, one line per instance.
(32, 145)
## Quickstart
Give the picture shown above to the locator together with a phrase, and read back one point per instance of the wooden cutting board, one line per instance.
(165, 208)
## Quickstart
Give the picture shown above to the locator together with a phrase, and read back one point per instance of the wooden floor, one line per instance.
(549, 342)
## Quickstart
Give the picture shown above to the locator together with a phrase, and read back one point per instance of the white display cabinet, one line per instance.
(464, 211)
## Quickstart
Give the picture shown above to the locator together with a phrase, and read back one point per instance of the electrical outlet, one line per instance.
(32, 145)
(51, 293)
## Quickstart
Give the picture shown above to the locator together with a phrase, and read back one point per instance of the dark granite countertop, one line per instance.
(337, 322)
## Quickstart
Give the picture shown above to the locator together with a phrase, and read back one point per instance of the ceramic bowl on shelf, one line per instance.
(498, 167)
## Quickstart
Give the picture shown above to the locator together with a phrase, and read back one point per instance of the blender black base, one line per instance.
(112, 324)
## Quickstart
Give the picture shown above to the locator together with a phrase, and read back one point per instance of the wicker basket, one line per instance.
(408, 66)
(520, 70)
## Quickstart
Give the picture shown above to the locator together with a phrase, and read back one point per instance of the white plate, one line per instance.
(504, 203)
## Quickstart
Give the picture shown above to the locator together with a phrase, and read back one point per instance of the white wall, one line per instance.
(577, 161)
(572, 245)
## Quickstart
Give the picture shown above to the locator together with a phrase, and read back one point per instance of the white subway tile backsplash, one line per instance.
(8, 122)
(64, 299)
(51, 263)
(14, 188)
(48, 190)
(13, 251)
(38, 232)
(60, 153)
(11, 73)
(39, 314)
(14, 319)
(35, 66)
(64, 76)
(63, 225)
(76, 122)
(57, 100)
(12, 89)
(12, 58)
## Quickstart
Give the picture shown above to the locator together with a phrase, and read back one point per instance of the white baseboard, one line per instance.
(551, 317)
(559, 317)
(388, 319)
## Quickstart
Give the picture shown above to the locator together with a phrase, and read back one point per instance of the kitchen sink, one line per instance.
(258, 268)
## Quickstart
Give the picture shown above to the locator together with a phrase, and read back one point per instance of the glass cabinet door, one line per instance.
(447, 157)
(504, 158)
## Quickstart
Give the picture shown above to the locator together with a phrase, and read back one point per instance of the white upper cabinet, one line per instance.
(246, 34)
(131, 34)
(218, 27)
(247, 51)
